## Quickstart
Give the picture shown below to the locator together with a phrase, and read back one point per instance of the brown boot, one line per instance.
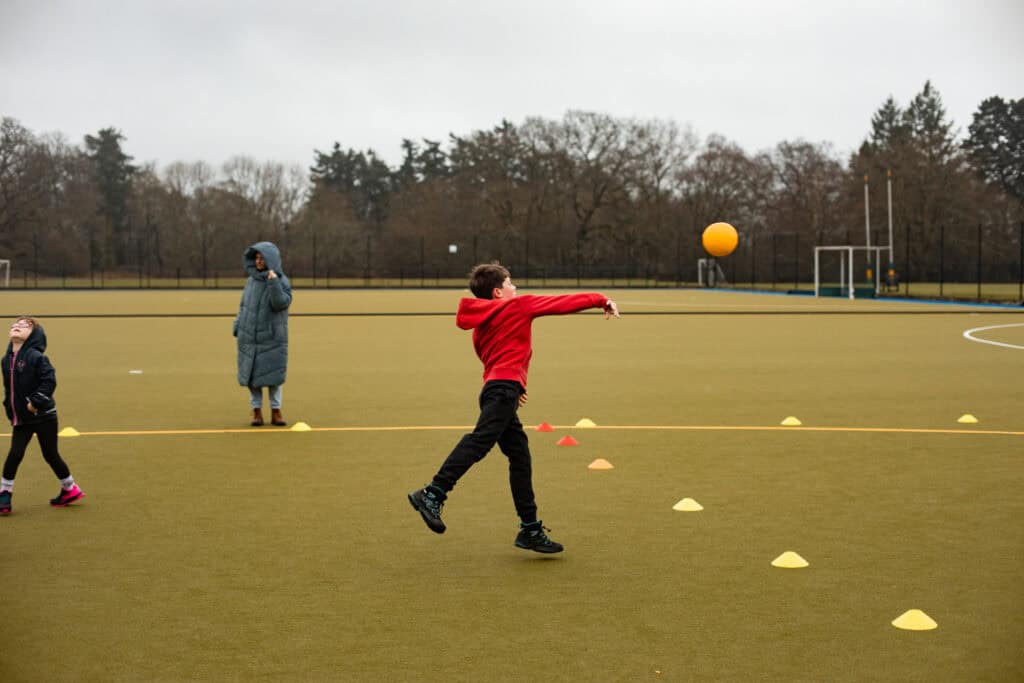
(276, 418)
(257, 417)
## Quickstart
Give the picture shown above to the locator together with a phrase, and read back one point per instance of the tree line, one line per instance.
(585, 193)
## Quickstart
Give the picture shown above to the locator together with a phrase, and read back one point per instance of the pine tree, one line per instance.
(996, 144)
(113, 176)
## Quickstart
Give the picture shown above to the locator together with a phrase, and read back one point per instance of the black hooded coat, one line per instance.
(32, 378)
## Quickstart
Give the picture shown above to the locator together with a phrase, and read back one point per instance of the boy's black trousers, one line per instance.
(46, 431)
(498, 424)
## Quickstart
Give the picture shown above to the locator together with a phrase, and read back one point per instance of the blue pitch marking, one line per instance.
(899, 300)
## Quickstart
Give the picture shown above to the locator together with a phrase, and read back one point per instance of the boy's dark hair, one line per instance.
(487, 277)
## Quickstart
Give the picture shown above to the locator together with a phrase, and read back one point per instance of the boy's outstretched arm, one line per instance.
(561, 304)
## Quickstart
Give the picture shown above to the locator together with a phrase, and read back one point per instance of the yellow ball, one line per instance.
(720, 239)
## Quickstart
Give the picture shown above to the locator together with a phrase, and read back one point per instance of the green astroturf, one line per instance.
(276, 555)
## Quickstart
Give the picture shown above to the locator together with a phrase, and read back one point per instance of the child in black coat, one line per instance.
(29, 382)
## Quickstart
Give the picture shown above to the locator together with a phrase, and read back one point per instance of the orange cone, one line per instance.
(568, 441)
(545, 427)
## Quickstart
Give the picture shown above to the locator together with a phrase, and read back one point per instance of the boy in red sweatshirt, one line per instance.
(502, 339)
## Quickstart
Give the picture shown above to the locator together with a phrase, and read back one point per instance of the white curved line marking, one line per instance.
(968, 335)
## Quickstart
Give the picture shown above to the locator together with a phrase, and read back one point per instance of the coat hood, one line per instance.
(36, 340)
(271, 255)
(474, 312)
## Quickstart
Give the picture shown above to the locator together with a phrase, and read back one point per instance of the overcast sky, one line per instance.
(207, 80)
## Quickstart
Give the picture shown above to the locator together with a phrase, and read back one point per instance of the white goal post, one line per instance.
(846, 278)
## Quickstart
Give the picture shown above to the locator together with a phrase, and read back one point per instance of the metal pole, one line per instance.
(775, 261)
(796, 252)
(817, 279)
(906, 263)
(878, 271)
(867, 214)
(753, 262)
(851, 289)
(979, 261)
(842, 271)
(942, 256)
(1020, 265)
(888, 183)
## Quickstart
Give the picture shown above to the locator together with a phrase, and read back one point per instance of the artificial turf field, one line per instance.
(215, 551)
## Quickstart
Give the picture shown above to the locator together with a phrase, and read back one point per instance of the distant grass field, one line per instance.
(214, 551)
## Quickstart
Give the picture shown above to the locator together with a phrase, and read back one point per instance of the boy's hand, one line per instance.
(271, 275)
(31, 408)
(522, 399)
(610, 309)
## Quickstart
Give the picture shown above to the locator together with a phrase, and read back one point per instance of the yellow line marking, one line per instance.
(679, 428)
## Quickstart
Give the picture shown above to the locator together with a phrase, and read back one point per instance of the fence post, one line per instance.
(366, 277)
(906, 263)
(314, 260)
(679, 257)
(577, 260)
(775, 260)
(978, 297)
(796, 251)
(753, 263)
(942, 254)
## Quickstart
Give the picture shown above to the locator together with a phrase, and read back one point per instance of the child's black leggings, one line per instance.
(498, 424)
(47, 433)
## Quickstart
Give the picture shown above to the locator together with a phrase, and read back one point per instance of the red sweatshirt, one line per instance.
(501, 328)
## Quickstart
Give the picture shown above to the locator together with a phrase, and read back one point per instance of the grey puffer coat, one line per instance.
(262, 323)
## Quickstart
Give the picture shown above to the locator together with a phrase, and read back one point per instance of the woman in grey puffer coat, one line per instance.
(262, 329)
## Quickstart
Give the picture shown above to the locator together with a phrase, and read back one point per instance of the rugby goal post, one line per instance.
(846, 269)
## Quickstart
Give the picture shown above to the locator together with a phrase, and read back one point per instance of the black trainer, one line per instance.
(5, 503)
(532, 537)
(429, 501)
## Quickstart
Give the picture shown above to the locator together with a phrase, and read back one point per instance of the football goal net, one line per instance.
(834, 271)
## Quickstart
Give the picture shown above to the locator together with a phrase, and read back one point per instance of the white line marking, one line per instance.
(969, 335)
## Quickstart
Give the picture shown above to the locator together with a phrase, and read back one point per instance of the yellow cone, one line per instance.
(967, 419)
(789, 560)
(301, 427)
(914, 620)
(586, 422)
(791, 422)
(688, 505)
(601, 464)
(69, 431)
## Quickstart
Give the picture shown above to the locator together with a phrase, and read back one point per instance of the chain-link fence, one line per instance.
(965, 263)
